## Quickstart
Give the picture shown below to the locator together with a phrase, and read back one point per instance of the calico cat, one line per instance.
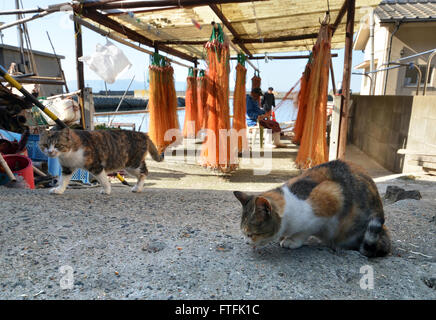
(336, 202)
(100, 152)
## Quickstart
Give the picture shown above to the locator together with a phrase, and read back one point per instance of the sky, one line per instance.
(279, 74)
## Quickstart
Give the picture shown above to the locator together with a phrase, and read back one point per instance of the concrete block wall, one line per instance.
(380, 125)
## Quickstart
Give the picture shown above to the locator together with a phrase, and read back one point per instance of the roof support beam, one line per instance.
(242, 41)
(105, 5)
(226, 22)
(121, 40)
(278, 39)
(281, 57)
(340, 16)
(133, 35)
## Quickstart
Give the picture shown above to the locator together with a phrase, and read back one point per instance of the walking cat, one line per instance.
(336, 201)
(100, 152)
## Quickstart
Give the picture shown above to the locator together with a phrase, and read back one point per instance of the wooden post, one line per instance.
(79, 67)
(88, 106)
(345, 97)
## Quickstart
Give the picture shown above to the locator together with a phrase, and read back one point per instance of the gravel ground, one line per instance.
(180, 239)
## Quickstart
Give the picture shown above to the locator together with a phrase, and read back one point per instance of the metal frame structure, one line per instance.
(398, 64)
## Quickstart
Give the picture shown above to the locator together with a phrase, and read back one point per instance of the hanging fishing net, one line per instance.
(239, 103)
(216, 146)
(201, 100)
(191, 125)
(162, 103)
(287, 108)
(313, 144)
(256, 82)
(302, 104)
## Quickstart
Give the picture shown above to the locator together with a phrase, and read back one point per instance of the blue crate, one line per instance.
(81, 175)
(33, 149)
(55, 169)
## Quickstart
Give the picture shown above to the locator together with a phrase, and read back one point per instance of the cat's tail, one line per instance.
(376, 241)
(153, 151)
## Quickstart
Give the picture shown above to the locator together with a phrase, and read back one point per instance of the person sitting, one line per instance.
(256, 114)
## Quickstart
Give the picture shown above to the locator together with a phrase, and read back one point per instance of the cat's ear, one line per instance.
(242, 197)
(263, 205)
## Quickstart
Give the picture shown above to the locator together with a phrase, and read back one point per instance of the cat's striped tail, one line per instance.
(376, 241)
(153, 151)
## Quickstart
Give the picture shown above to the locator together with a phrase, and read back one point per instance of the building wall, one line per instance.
(411, 38)
(380, 125)
(46, 65)
(381, 38)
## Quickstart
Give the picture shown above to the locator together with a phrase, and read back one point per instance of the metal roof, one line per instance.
(36, 52)
(406, 10)
(255, 23)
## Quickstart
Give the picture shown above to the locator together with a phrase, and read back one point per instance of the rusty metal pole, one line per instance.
(79, 67)
(345, 97)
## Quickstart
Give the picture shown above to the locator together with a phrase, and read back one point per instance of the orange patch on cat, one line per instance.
(276, 200)
(318, 174)
(326, 199)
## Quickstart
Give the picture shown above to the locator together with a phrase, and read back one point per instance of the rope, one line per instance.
(286, 95)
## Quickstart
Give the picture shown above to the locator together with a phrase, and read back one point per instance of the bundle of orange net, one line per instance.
(162, 103)
(191, 125)
(256, 82)
(301, 104)
(216, 146)
(239, 104)
(310, 128)
(201, 99)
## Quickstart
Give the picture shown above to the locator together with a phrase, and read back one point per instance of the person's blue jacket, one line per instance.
(253, 111)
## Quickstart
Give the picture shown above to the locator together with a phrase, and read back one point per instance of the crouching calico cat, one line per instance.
(336, 202)
(100, 152)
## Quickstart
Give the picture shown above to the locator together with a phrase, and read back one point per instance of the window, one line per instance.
(411, 77)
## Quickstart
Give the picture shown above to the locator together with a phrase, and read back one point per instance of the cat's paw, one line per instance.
(56, 190)
(136, 189)
(105, 191)
(291, 243)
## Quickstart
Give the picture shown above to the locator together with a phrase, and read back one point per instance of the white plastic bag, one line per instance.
(66, 110)
(108, 61)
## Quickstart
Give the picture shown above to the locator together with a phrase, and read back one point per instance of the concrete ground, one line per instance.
(180, 239)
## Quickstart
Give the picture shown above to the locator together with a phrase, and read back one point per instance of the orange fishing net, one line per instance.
(256, 82)
(302, 103)
(313, 145)
(162, 102)
(239, 105)
(191, 125)
(201, 100)
(216, 146)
